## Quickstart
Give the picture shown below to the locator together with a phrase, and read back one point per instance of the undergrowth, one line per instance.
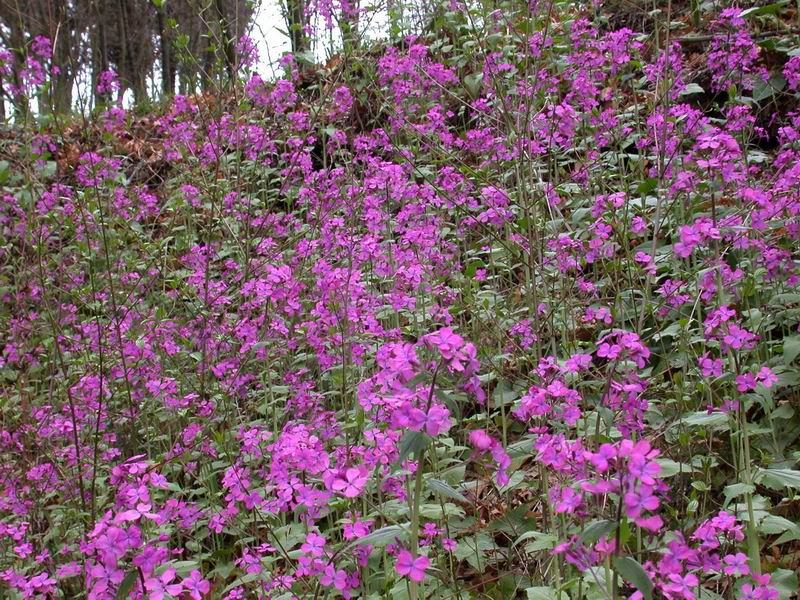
(505, 310)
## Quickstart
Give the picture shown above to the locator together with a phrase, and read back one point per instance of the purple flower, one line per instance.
(159, 587)
(314, 545)
(195, 585)
(413, 568)
(351, 483)
(736, 564)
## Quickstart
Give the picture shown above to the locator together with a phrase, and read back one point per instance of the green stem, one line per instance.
(414, 586)
(752, 535)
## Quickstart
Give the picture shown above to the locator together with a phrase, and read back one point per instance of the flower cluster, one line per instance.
(506, 309)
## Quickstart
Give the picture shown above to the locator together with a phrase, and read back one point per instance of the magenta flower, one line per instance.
(449, 544)
(313, 545)
(481, 440)
(195, 585)
(336, 578)
(746, 382)
(413, 568)
(736, 564)
(710, 367)
(608, 351)
(682, 586)
(352, 483)
(437, 420)
(637, 502)
(159, 587)
(568, 500)
(766, 377)
(108, 82)
(105, 579)
(602, 457)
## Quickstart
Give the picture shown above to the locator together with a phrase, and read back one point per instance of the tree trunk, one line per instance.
(349, 27)
(125, 66)
(227, 42)
(61, 31)
(296, 24)
(167, 64)
(99, 52)
(208, 69)
(131, 55)
(21, 104)
(64, 79)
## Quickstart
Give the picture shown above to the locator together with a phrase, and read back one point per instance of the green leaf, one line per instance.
(597, 530)
(544, 593)
(516, 478)
(791, 348)
(737, 489)
(381, 537)
(782, 300)
(787, 536)
(766, 89)
(528, 535)
(306, 57)
(785, 580)
(541, 541)
(474, 548)
(413, 442)
(703, 418)
(127, 585)
(768, 9)
(440, 487)
(632, 572)
(472, 83)
(670, 468)
(647, 186)
(248, 578)
(224, 569)
(504, 393)
(513, 521)
(775, 524)
(692, 88)
(184, 567)
(778, 479)
(624, 531)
